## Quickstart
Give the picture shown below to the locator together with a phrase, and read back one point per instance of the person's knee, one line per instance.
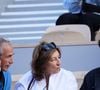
(61, 19)
(67, 18)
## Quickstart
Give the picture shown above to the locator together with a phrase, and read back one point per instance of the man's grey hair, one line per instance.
(2, 41)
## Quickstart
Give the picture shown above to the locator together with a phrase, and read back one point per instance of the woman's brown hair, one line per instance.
(41, 54)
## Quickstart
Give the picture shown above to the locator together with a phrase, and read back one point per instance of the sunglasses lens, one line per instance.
(49, 46)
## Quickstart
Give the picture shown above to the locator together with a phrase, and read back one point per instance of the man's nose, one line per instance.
(11, 61)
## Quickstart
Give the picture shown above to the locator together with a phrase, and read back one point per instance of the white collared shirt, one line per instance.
(63, 80)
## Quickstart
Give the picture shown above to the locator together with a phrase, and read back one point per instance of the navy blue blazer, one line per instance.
(91, 80)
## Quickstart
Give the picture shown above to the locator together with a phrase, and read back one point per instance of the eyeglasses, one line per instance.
(49, 46)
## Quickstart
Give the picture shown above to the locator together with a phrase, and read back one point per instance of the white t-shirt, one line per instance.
(63, 80)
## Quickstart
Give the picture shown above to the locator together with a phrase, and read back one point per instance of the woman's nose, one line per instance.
(58, 62)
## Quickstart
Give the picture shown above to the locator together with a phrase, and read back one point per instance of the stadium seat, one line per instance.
(97, 35)
(67, 34)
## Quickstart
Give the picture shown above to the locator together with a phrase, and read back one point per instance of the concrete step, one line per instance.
(56, 4)
(23, 33)
(33, 12)
(36, 1)
(28, 20)
(25, 21)
(29, 15)
(19, 35)
(22, 29)
(24, 40)
(35, 8)
(25, 25)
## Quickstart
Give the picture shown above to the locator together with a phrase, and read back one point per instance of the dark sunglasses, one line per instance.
(49, 46)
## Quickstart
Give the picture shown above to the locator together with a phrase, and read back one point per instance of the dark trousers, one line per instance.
(92, 20)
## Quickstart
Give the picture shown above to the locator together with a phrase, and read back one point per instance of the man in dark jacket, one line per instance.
(92, 80)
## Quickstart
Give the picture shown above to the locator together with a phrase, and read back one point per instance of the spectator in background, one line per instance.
(6, 59)
(82, 12)
(46, 73)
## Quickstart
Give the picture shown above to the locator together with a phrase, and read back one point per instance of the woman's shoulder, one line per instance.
(69, 76)
(25, 78)
(66, 71)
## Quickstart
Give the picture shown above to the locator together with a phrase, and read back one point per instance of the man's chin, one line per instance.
(4, 69)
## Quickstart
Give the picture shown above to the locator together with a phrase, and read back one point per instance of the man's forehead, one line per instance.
(7, 48)
(6, 45)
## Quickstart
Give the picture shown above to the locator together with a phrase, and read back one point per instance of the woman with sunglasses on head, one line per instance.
(46, 73)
